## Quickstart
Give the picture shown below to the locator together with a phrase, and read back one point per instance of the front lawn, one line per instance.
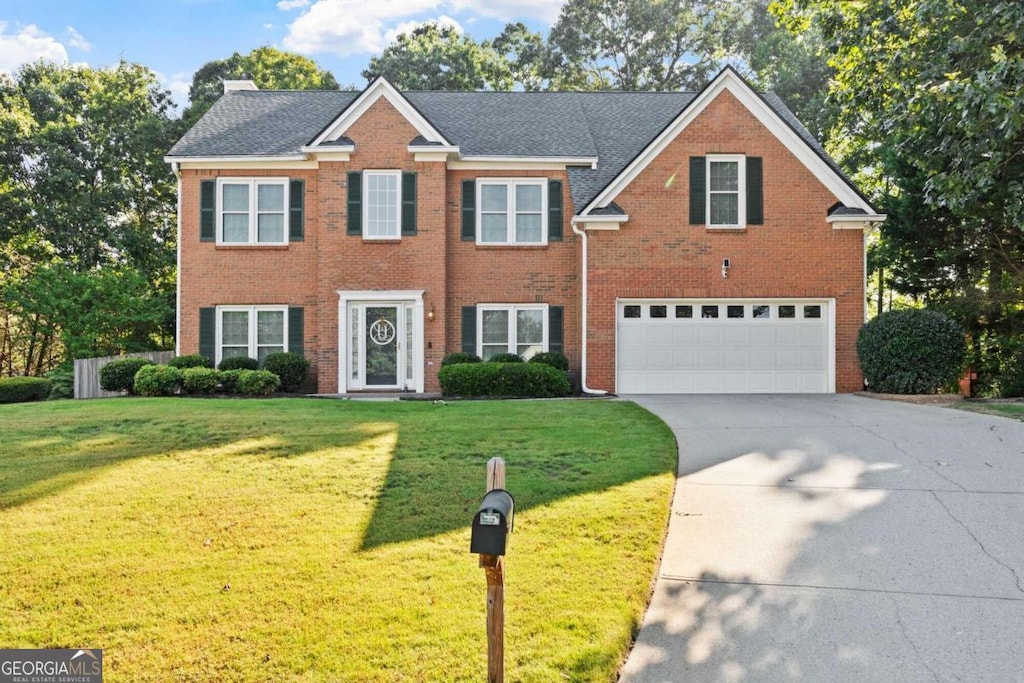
(1011, 410)
(319, 540)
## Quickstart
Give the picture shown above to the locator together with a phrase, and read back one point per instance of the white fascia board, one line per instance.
(730, 80)
(600, 222)
(528, 160)
(447, 149)
(234, 159)
(328, 149)
(856, 222)
(376, 90)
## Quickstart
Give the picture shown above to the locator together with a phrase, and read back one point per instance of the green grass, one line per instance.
(315, 540)
(1011, 410)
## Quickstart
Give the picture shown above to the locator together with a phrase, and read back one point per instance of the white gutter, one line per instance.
(177, 270)
(583, 320)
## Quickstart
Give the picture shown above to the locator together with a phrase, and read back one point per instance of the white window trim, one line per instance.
(510, 224)
(512, 309)
(366, 204)
(252, 311)
(253, 184)
(741, 194)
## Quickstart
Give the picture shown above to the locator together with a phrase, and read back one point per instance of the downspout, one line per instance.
(177, 269)
(583, 320)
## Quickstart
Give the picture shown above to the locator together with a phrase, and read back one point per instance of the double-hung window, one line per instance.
(522, 329)
(252, 210)
(382, 204)
(512, 211)
(253, 331)
(726, 198)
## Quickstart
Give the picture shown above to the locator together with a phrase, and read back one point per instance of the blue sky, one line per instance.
(176, 37)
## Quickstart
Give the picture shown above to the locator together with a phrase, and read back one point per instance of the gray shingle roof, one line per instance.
(614, 127)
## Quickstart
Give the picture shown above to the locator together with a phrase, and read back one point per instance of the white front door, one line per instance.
(380, 340)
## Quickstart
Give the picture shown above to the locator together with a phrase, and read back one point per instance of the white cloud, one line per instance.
(28, 44)
(545, 11)
(76, 40)
(286, 5)
(268, 25)
(179, 85)
(410, 26)
(347, 27)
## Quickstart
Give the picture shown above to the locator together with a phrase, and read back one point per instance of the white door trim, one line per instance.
(413, 297)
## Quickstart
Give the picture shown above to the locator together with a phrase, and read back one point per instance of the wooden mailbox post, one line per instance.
(495, 522)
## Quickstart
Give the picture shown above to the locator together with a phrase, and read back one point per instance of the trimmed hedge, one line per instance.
(519, 380)
(459, 357)
(119, 375)
(911, 352)
(291, 368)
(194, 360)
(238, 363)
(506, 358)
(229, 380)
(555, 359)
(23, 389)
(157, 380)
(257, 382)
(200, 380)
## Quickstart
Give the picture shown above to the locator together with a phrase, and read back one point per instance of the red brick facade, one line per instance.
(656, 254)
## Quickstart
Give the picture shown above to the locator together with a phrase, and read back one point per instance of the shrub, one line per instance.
(62, 382)
(257, 383)
(229, 380)
(459, 357)
(555, 359)
(291, 368)
(157, 380)
(193, 361)
(506, 358)
(523, 380)
(119, 375)
(1009, 367)
(911, 352)
(23, 389)
(200, 380)
(239, 363)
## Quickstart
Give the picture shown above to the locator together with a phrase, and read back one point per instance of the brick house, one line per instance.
(665, 242)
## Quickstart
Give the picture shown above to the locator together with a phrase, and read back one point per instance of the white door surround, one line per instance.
(380, 340)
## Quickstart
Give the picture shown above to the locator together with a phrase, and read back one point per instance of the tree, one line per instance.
(434, 57)
(83, 185)
(268, 67)
(643, 45)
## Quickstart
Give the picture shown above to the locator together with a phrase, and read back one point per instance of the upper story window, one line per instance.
(726, 198)
(382, 204)
(512, 211)
(252, 210)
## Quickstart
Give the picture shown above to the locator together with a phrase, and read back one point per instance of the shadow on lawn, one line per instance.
(436, 480)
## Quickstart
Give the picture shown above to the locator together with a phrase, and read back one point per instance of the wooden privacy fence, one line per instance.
(87, 372)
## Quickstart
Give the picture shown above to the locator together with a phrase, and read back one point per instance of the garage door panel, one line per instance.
(735, 335)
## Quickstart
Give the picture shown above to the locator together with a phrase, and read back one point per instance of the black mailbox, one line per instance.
(492, 523)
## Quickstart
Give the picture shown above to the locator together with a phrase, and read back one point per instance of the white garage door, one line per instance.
(724, 347)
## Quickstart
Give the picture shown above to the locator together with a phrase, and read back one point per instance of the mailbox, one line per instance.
(492, 523)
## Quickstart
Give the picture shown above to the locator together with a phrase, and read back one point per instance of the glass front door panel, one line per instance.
(381, 344)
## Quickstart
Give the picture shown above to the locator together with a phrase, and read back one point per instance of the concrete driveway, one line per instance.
(837, 538)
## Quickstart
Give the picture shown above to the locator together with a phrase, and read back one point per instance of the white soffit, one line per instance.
(731, 81)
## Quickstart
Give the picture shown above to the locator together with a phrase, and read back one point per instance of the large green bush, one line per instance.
(458, 357)
(555, 359)
(257, 383)
(911, 352)
(23, 389)
(506, 358)
(200, 380)
(291, 368)
(521, 380)
(238, 363)
(119, 375)
(157, 380)
(194, 360)
(62, 382)
(229, 380)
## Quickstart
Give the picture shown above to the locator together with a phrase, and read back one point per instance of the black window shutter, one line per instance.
(698, 188)
(409, 203)
(355, 203)
(469, 210)
(556, 329)
(755, 191)
(208, 333)
(554, 210)
(296, 333)
(208, 210)
(296, 200)
(469, 329)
